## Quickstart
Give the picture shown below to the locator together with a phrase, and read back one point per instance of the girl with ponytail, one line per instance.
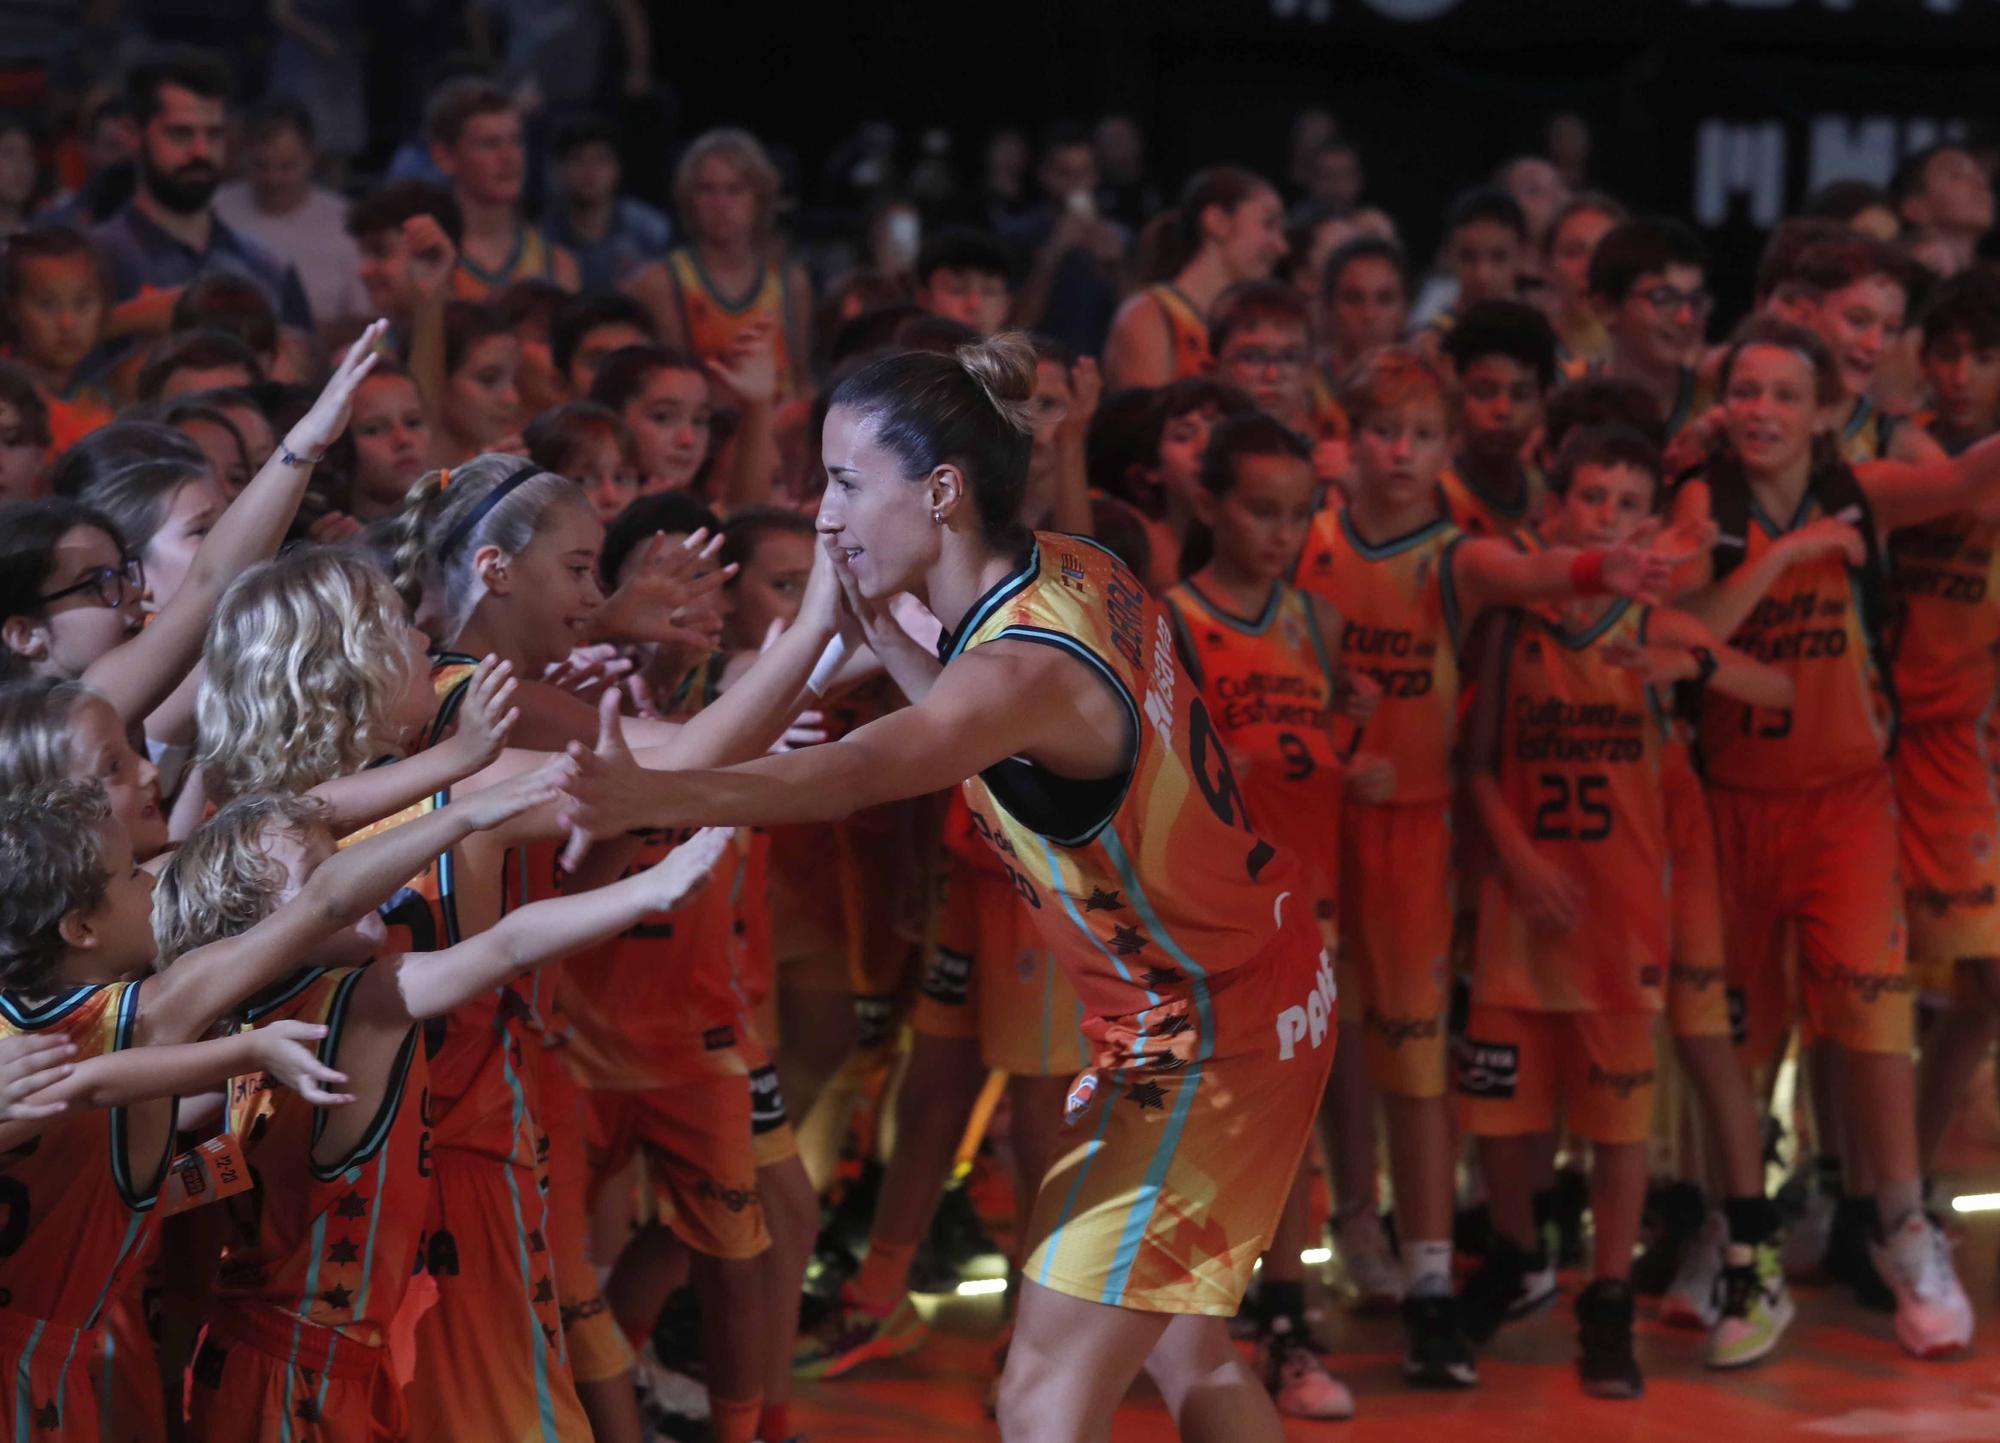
(1229, 229)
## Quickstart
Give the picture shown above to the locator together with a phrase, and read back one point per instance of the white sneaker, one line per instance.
(1933, 1315)
(666, 1393)
(1689, 1301)
(1373, 1274)
(1804, 1249)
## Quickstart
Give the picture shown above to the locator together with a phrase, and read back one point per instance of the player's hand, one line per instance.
(489, 807)
(30, 1062)
(487, 718)
(1086, 388)
(587, 669)
(1827, 536)
(668, 594)
(430, 257)
(1655, 665)
(1371, 778)
(321, 426)
(599, 791)
(749, 367)
(1360, 695)
(1694, 442)
(1549, 897)
(1642, 566)
(686, 869)
(283, 1055)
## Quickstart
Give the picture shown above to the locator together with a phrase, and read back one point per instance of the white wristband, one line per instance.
(828, 666)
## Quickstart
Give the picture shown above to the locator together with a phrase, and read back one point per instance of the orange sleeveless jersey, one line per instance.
(1867, 434)
(712, 322)
(533, 259)
(1947, 593)
(1268, 685)
(1473, 513)
(1150, 902)
(1329, 417)
(1809, 625)
(77, 1222)
(1401, 615)
(1187, 332)
(332, 1246)
(1581, 753)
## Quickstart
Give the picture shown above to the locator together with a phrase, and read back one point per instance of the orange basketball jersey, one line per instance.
(1943, 574)
(1401, 615)
(1268, 685)
(1810, 625)
(712, 322)
(1187, 332)
(1151, 888)
(1479, 515)
(333, 1246)
(1579, 764)
(77, 1221)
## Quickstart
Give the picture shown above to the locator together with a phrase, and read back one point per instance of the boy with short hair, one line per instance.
(1505, 355)
(1649, 284)
(967, 276)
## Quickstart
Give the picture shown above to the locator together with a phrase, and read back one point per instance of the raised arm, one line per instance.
(1000, 701)
(366, 797)
(429, 984)
(1490, 572)
(139, 675)
(1907, 493)
(1723, 606)
(199, 987)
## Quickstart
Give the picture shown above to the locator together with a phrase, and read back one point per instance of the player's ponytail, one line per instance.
(971, 410)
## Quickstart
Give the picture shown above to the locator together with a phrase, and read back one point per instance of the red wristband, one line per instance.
(1586, 573)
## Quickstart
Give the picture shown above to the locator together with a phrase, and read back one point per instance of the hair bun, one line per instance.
(1004, 368)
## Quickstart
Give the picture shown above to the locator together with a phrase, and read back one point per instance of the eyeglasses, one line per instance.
(1256, 358)
(109, 582)
(1669, 299)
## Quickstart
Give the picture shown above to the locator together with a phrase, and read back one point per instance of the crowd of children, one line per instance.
(1451, 746)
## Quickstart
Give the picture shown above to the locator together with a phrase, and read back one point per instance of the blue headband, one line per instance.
(461, 532)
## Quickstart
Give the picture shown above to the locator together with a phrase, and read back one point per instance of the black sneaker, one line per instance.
(1507, 1285)
(1848, 1259)
(1674, 1215)
(1439, 1355)
(1605, 1366)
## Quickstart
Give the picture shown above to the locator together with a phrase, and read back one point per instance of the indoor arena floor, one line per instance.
(1839, 1374)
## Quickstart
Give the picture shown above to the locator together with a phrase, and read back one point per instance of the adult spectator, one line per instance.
(476, 140)
(1945, 198)
(1125, 192)
(278, 205)
(168, 233)
(1073, 281)
(1334, 181)
(610, 234)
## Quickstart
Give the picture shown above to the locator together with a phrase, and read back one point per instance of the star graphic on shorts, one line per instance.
(48, 1416)
(343, 1251)
(535, 1243)
(1168, 1062)
(1161, 976)
(1103, 901)
(308, 1409)
(1127, 942)
(549, 1337)
(545, 1291)
(337, 1298)
(1147, 1095)
(1177, 1024)
(352, 1205)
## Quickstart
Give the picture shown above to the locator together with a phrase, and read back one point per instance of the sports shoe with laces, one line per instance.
(1933, 1315)
(1509, 1284)
(1753, 1309)
(1438, 1355)
(1296, 1378)
(1605, 1364)
(854, 1336)
(1373, 1275)
(1690, 1300)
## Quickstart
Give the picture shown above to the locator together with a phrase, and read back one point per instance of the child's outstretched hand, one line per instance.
(487, 719)
(284, 1056)
(29, 1063)
(685, 870)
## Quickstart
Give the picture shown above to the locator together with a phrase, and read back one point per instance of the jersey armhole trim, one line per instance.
(136, 1198)
(392, 1097)
(1131, 768)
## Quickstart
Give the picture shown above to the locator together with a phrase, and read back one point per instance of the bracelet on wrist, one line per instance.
(292, 458)
(1704, 663)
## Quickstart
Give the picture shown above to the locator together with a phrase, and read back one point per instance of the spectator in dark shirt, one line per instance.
(166, 235)
(1075, 254)
(611, 235)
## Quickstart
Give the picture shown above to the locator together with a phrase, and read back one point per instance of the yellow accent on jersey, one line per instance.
(712, 322)
(1187, 330)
